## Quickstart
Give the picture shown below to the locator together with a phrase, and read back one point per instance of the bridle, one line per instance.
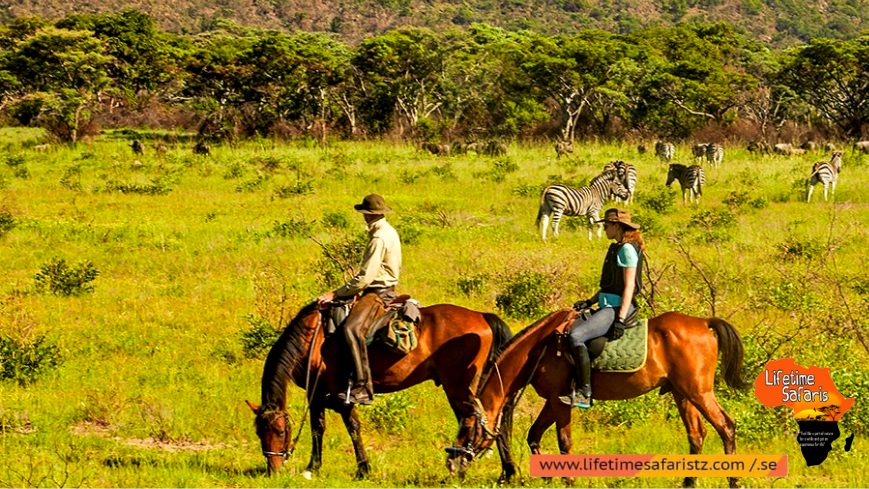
(467, 450)
(286, 451)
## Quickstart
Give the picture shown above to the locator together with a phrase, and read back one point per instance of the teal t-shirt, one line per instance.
(627, 257)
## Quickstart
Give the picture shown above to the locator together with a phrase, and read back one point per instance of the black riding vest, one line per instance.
(612, 278)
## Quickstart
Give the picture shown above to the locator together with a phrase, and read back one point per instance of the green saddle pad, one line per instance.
(628, 353)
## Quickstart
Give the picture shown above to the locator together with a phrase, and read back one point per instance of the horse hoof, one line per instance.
(308, 475)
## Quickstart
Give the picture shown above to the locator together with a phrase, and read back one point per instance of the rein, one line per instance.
(488, 433)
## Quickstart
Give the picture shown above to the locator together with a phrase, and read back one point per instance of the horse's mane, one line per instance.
(511, 345)
(285, 357)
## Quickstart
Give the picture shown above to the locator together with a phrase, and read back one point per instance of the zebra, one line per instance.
(691, 179)
(714, 153)
(562, 148)
(827, 173)
(627, 175)
(138, 147)
(558, 200)
(699, 151)
(664, 151)
(862, 146)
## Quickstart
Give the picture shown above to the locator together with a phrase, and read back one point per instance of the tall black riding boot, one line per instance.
(360, 393)
(581, 395)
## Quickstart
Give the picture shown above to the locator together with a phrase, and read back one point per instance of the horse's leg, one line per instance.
(695, 428)
(354, 429)
(318, 427)
(723, 423)
(563, 428)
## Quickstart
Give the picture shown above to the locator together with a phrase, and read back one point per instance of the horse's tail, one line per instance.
(501, 335)
(732, 352)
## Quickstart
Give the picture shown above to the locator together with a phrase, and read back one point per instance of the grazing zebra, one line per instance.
(691, 179)
(699, 151)
(714, 153)
(665, 151)
(862, 146)
(562, 148)
(641, 148)
(558, 200)
(138, 147)
(201, 149)
(827, 173)
(629, 179)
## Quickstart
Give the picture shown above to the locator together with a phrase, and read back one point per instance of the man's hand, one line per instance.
(617, 330)
(326, 298)
(580, 305)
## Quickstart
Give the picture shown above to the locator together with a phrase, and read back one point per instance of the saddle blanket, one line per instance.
(628, 353)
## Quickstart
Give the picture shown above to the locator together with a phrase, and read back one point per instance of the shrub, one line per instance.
(660, 200)
(24, 360)
(71, 178)
(14, 161)
(291, 228)
(472, 285)
(337, 220)
(299, 188)
(252, 184)
(257, 340)
(390, 413)
(339, 258)
(794, 249)
(7, 222)
(526, 295)
(529, 190)
(234, 171)
(60, 279)
(445, 172)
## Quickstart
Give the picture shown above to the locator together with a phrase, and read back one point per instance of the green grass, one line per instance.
(151, 389)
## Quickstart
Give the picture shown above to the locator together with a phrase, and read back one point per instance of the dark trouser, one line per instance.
(582, 331)
(356, 331)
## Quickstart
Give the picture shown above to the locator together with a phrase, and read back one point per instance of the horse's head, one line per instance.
(273, 429)
(474, 438)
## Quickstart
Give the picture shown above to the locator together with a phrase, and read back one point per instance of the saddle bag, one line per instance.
(400, 334)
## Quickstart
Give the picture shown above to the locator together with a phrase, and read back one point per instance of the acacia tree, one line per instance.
(403, 73)
(62, 74)
(833, 77)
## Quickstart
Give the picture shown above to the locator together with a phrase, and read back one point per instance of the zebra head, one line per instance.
(618, 190)
(675, 172)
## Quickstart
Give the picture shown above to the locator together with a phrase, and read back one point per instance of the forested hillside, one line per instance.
(778, 22)
(85, 72)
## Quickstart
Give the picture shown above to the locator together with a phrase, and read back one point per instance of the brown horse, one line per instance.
(454, 346)
(682, 356)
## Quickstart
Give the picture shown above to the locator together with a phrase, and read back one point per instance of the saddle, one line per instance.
(627, 354)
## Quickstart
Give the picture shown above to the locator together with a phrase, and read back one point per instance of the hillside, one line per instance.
(778, 22)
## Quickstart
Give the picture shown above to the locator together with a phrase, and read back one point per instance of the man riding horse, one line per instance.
(378, 274)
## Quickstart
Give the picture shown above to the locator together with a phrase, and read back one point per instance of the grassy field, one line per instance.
(191, 251)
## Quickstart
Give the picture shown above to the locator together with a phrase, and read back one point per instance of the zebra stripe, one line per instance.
(691, 179)
(664, 151)
(826, 173)
(558, 200)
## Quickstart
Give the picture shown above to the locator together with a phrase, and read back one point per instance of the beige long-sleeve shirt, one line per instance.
(381, 262)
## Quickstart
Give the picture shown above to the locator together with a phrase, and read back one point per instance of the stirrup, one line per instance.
(577, 400)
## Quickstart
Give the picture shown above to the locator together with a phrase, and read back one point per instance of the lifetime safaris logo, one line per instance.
(816, 403)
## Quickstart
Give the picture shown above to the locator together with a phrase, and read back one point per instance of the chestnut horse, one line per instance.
(682, 356)
(454, 346)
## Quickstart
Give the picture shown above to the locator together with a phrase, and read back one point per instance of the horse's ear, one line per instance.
(253, 407)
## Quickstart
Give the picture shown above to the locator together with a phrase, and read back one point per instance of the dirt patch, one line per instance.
(102, 430)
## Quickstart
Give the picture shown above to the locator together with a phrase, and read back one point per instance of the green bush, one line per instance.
(291, 228)
(660, 200)
(472, 285)
(795, 249)
(336, 220)
(257, 340)
(23, 361)
(234, 171)
(7, 222)
(526, 295)
(299, 188)
(391, 412)
(57, 277)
